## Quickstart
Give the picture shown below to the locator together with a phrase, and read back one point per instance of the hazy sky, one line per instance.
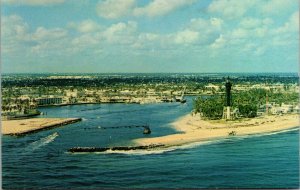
(150, 36)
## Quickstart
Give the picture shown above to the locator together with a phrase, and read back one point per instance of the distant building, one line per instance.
(283, 109)
(126, 92)
(24, 97)
(287, 108)
(266, 108)
(212, 87)
(49, 101)
(276, 110)
(241, 87)
(151, 92)
(296, 109)
(71, 93)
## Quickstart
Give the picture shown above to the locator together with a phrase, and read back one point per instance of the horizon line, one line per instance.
(260, 72)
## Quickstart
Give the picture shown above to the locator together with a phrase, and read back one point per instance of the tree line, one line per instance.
(247, 102)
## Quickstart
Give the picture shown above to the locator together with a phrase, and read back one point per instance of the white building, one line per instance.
(71, 93)
(286, 108)
(212, 87)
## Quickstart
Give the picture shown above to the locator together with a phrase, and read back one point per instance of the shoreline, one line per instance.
(194, 129)
(33, 125)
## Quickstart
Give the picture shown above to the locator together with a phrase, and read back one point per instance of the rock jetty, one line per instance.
(116, 148)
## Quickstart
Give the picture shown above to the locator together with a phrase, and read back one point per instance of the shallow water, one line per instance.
(41, 159)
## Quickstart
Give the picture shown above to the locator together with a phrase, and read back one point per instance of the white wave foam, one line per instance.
(138, 152)
(160, 150)
(41, 142)
(266, 134)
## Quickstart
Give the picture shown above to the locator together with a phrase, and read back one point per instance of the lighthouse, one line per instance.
(227, 108)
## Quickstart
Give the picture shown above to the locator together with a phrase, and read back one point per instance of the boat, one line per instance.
(183, 101)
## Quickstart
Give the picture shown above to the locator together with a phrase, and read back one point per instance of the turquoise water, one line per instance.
(41, 160)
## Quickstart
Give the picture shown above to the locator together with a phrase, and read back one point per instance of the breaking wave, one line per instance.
(41, 142)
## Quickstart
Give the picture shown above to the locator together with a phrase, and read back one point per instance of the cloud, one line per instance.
(144, 40)
(198, 32)
(236, 9)
(219, 42)
(84, 41)
(14, 33)
(211, 24)
(85, 26)
(161, 7)
(120, 33)
(257, 36)
(288, 33)
(112, 9)
(209, 29)
(186, 37)
(33, 2)
(250, 22)
(43, 34)
(240, 33)
(148, 36)
(49, 42)
(13, 26)
(214, 32)
(230, 8)
(292, 25)
(277, 6)
(18, 39)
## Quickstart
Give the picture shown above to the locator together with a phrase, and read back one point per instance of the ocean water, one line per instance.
(41, 160)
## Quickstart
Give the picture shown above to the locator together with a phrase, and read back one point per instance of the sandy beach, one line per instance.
(194, 129)
(25, 126)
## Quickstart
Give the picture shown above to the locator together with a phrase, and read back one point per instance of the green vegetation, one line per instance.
(280, 98)
(211, 107)
(248, 110)
(250, 97)
(247, 102)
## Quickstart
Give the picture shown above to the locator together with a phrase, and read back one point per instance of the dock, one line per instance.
(28, 126)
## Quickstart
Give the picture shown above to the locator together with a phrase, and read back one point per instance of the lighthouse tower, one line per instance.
(227, 109)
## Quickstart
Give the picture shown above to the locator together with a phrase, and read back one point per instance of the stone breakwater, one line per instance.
(117, 148)
(28, 126)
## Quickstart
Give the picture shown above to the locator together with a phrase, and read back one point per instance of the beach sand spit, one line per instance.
(195, 129)
(25, 126)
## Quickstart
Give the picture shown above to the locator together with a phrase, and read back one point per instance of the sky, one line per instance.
(149, 36)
